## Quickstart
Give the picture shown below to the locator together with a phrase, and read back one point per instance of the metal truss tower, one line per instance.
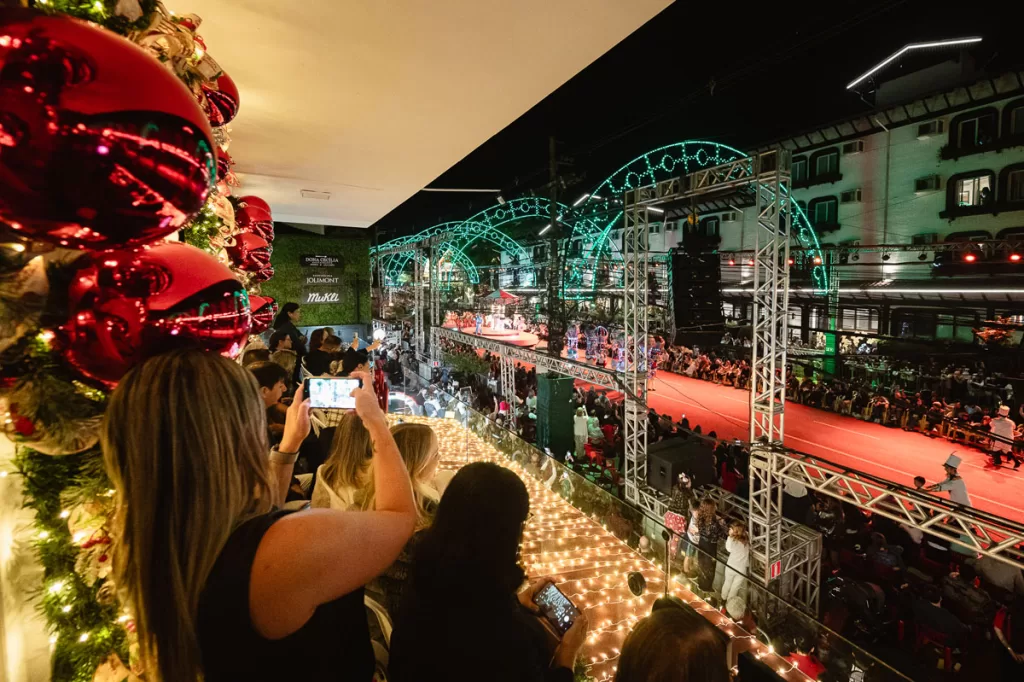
(436, 319)
(634, 311)
(419, 294)
(771, 174)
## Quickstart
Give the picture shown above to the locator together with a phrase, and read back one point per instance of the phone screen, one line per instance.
(556, 607)
(332, 392)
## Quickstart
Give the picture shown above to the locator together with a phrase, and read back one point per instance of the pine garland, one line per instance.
(71, 494)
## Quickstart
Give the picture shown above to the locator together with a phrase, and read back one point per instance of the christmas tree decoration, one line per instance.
(255, 202)
(125, 306)
(249, 253)
(264, 275)
(221, 100)
(256, 219)
(103, 147)
(264, 310)
(224, 164)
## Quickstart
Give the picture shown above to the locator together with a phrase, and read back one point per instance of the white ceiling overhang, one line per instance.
(371, 100)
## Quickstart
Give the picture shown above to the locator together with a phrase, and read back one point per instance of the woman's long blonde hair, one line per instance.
(416, 443)
(351, 452)
(184, 441)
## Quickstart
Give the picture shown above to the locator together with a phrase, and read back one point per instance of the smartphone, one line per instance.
(332, 392)
(556, 607)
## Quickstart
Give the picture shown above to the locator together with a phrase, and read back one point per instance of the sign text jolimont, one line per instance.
(321, 279)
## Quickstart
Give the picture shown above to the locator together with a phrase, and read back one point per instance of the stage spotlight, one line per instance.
(886, 257)
(732, 261)
(855, 257)
(1015, 257)
(923, 256)
(817, 260)
(791, 261)
(970, 257)
(750, 262)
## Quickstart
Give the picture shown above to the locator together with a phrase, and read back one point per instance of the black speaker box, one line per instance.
(669, 458)
(555, 405)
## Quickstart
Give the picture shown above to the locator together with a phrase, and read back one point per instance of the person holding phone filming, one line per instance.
(223, 585)
(460, 618)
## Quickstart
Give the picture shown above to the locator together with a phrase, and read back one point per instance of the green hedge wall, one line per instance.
(353, 246)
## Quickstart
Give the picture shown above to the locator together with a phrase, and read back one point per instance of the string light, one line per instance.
(84, 637)
(56, 587)
(65, 513)
(579, 554)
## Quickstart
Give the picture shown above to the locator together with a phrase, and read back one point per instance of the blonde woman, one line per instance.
(738, 546)
(221, 585)
(419, 447)
(341, 481)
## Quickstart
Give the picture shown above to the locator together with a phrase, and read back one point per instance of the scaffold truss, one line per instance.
(578, 370)
(634, 315)
(971, 528)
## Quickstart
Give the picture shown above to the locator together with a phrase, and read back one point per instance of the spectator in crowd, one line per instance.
(1008, 627)
(580, 430)
(460, 618)
(738, 546)
(342, 480)
(805, 657)
(222, 586)
(352, 361)
(316, 339)
(929, 612)
(419, 447)
(887, 556)
(255, 354)
(318, 362)
(272, 379)
(712, 529)
(963, 595)
(289, 316)
(673, 645)
(1000, 574)
(281, 352)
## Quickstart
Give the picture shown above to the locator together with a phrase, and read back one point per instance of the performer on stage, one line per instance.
(1003, 426)
(953, 484)
(479, 323)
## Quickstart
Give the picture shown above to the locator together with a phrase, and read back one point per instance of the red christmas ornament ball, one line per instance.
(255, 219)
(254, 201)
(102, 147)
(224, 163)
(127, 305)
(221, 100)
(264, 275)
(249, 253)
(264, 310)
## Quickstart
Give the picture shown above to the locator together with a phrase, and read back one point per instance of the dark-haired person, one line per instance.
(318, 362)
(673, 645)
(460, 619)
(222, 585)
(272, 379)
(285, 322)
(282, 353)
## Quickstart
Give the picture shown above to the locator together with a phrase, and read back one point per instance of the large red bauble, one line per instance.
(249, 252)
(224, 164)
(222, 100)
(100, 145)
(127, 305)
(253, 218)
(264, 310)
(254, 201)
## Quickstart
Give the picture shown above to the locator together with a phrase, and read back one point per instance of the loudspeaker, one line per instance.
(673, 456)
(697, 298)
(555, 405)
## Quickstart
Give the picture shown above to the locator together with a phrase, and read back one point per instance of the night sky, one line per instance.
(774, 74)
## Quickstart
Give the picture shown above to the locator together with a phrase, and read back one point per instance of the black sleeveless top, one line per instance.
(334, 644)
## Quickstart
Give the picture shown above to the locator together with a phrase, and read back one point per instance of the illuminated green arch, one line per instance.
(665, 163)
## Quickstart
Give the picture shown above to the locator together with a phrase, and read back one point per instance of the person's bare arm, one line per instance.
(314, 557)
(296, 428)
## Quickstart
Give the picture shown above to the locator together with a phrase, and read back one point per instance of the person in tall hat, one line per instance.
(1002, 427)
(954, 484)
